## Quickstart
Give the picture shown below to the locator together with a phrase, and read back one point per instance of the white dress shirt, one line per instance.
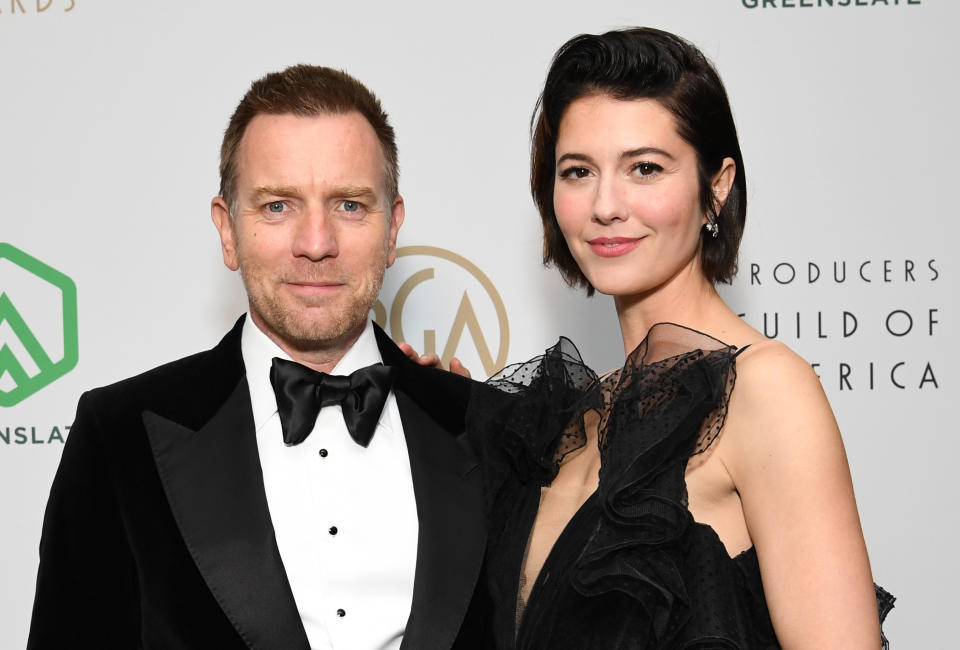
(345, 516)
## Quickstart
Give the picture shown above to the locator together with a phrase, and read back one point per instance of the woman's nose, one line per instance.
(607, 204)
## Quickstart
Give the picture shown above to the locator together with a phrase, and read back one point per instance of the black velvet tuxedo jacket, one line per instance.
(157, 532)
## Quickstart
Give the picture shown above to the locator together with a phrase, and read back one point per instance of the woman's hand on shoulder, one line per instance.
(433, 360)
(787, 460)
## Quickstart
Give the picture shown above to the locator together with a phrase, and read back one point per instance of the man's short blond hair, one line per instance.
(306, 91)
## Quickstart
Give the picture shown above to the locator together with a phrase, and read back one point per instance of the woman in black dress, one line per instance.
(698, 497)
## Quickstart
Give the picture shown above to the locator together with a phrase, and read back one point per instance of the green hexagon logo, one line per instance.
(38, 325)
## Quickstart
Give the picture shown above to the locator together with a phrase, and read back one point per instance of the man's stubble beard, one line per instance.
(337, 327)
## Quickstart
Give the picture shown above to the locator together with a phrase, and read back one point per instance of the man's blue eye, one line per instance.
(275, 206)
(351, 206)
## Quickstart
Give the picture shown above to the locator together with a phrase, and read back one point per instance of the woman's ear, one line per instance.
(722, 182)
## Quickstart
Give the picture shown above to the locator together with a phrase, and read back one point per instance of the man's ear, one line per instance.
(397, 213)
(220, 214)
(722, 182)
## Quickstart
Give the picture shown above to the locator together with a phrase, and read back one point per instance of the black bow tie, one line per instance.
(302, 392)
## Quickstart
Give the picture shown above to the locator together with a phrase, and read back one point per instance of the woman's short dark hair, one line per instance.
(643, 63)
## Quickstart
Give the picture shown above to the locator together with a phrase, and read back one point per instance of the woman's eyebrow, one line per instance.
(577, 157)
(643, 151)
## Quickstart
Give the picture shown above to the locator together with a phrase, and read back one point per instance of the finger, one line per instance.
(431, 360)
(458, 368)
(408, 350)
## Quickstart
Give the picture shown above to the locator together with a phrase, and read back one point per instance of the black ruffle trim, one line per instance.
(667, 403)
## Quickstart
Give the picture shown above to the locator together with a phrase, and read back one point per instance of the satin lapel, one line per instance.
(450, 546)
(214, 484)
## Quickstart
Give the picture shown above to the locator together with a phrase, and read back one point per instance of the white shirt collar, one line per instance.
(258, 351)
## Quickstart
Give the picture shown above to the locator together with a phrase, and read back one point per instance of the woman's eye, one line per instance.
(575, 172)
(647, 169)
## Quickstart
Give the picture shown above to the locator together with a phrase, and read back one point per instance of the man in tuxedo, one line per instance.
(303, 484)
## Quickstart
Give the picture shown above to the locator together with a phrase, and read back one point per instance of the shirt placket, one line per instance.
(330, 482)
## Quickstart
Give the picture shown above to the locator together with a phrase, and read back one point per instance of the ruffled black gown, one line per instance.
(631, 569)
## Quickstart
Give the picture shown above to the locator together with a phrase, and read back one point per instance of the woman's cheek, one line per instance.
(570, 210)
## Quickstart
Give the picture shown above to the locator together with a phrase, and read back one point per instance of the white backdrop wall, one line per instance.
(110, 122)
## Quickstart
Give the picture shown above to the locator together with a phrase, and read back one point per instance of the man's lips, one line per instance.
(314, 287)
(613, 246)
(315, 283)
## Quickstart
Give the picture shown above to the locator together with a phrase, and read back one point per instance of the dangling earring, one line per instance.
(712, 227)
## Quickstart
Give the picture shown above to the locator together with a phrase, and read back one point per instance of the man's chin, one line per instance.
(311, 334)
(309, 325)
(316, 339)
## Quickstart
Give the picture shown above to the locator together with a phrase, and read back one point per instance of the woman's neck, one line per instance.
(686, 299)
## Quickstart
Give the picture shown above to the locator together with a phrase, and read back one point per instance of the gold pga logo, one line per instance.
(431, 290)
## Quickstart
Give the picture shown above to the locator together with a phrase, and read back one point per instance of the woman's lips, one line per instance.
(613, 246)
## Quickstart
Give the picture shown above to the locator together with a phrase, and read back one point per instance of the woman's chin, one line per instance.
(620, 289)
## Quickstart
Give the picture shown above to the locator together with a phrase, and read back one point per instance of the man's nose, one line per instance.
(315, 236)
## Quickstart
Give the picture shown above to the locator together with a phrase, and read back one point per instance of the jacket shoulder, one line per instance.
(441, 394)
(187, 390)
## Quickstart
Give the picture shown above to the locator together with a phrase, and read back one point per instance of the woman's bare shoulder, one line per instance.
(767, 367)
(778, 407)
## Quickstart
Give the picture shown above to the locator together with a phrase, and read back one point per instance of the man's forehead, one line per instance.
(328, 129)
(336, 148)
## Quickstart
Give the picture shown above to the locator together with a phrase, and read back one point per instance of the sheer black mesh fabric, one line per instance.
(672, 363)
(632, 569)
(571, 387)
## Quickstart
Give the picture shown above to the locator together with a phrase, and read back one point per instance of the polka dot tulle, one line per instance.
(672, 363)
